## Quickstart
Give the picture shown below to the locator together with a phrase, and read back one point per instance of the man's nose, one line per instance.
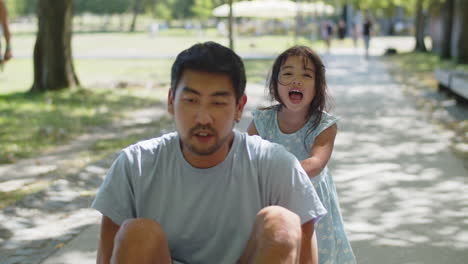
(203, 115)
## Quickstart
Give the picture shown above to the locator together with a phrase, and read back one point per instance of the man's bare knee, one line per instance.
(140, 237)
(279, 229)
(143, 229)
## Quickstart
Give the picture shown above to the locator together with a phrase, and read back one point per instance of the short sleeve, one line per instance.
(262, 120)
(327, 121)
(115, 198)
(259, 121)
(291, 187)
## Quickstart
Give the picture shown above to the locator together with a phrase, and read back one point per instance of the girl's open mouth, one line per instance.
(295, 96)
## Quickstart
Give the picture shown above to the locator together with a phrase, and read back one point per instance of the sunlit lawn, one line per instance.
(421, 66)
(165, 43)
(30, 123)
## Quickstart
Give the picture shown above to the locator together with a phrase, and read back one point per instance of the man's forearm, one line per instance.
(309, 251)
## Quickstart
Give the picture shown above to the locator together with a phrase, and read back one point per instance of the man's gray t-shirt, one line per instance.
(207, 214)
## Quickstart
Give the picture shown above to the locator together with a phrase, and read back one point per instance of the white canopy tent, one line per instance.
(273, 9)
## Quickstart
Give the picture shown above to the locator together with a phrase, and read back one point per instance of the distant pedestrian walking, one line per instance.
(366, 35)
(4, 56)
(341, 29)
(327, 33)
(354, 34)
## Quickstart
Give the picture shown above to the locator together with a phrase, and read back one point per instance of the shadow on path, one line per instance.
(403, 193)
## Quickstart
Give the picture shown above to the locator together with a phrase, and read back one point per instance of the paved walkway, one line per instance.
(403, 193)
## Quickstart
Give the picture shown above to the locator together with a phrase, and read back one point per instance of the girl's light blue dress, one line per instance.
(333, 244)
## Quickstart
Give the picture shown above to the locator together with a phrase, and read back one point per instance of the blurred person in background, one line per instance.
(354, 34)
(5, 53)
(327, 33)
(366, 35)
(341, 29)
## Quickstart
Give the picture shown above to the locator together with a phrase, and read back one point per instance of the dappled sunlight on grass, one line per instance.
(418, 68)
(31, 122)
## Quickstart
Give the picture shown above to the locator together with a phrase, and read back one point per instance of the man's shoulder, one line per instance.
(153, 144)
(264, 148)
(272, 159)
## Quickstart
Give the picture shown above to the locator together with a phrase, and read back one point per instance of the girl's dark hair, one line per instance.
(319, 103)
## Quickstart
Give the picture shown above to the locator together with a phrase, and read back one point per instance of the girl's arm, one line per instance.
(252, 130)
(321, 151)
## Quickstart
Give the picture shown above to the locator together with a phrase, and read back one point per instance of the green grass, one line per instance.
(31, 122)
(257, 70)
(17, 76)
(420, 66)
(167, 42)
(110, 145)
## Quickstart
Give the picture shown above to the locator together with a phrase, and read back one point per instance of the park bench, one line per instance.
(453, 81)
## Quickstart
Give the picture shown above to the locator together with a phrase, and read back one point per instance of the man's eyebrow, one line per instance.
(221, 93)
(187, 89)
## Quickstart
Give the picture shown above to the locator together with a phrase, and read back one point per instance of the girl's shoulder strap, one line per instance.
(264, 118)
(326, 121)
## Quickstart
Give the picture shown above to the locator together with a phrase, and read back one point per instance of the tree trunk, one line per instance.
(435, 27)
(230, 26)
(122, 22)
(53, 63)
(420, 27)
(459, 51)
(447, 23)
(137, 4)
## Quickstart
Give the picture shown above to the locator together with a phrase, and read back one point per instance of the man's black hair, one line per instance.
(214, 58)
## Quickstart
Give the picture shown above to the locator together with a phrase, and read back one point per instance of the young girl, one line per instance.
(298, 122)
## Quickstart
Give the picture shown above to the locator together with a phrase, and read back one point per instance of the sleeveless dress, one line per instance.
(333, 244)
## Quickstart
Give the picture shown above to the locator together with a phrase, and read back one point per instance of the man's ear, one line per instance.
(240, 107)
(170, 102)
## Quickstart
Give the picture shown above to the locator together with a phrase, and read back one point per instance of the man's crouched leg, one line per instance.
(276, 237)
(142, 241)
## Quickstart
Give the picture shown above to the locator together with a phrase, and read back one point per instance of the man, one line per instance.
(207, 193)
(6, 32)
